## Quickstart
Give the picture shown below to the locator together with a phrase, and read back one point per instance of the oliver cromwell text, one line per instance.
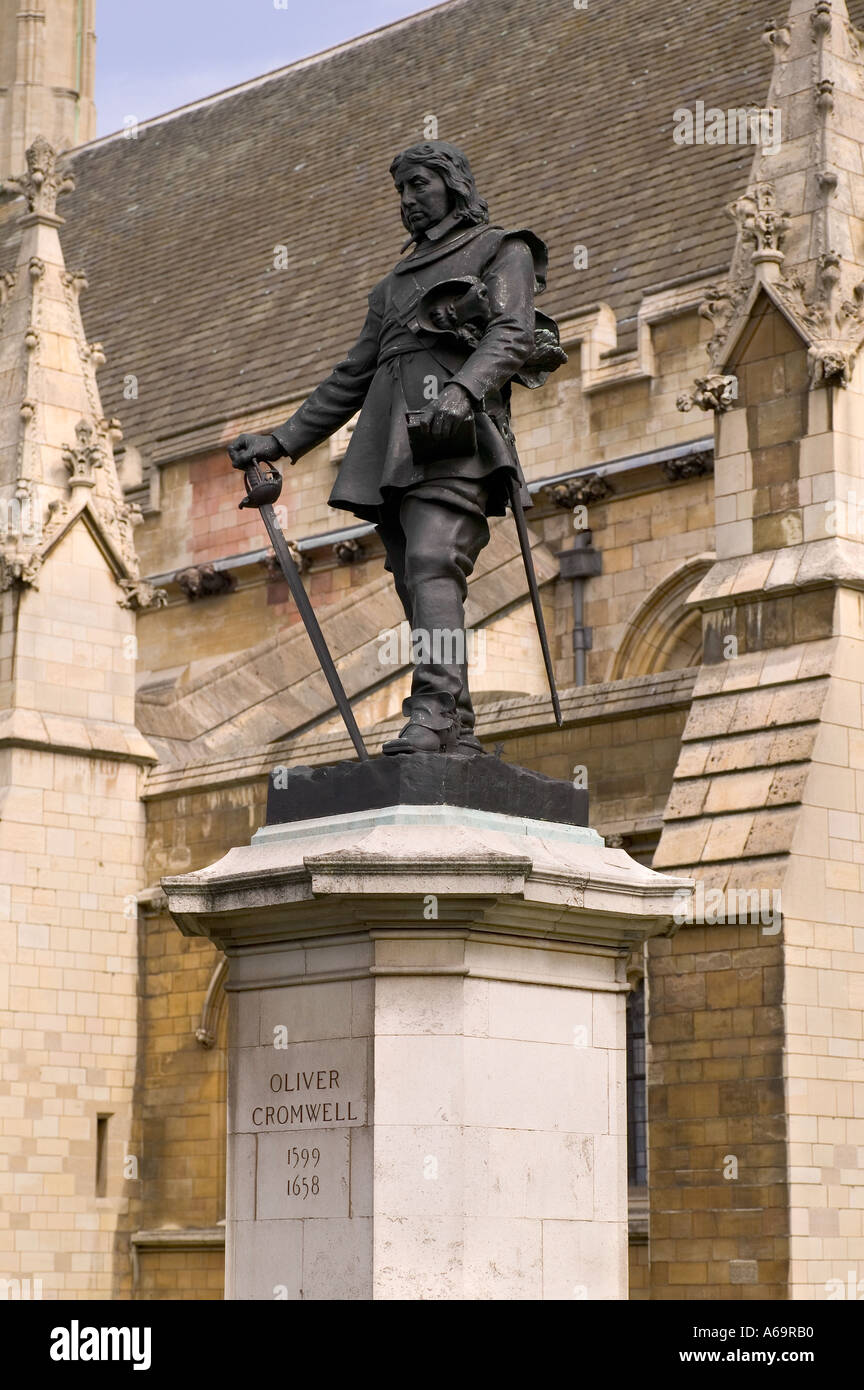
(305, 1113)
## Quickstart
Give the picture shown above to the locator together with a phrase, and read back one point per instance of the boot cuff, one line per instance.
(431, 711)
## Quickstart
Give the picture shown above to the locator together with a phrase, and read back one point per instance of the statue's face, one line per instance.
(425, 197)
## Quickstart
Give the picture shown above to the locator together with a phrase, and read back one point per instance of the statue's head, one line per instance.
(434, 179)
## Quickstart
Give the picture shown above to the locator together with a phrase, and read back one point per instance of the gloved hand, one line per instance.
(247, 448)
(443, 415)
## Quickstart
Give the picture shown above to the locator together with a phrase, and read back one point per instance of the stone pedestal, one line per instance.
(427, 1053)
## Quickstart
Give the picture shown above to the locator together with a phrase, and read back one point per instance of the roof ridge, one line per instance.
(308, 61)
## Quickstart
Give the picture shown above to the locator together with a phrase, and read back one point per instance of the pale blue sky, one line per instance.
(156, 55)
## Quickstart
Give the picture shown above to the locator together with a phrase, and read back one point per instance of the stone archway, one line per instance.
(664, 634)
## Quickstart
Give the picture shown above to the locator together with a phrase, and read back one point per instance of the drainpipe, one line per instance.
(579, 565)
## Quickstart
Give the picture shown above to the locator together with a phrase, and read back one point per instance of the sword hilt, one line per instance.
(263, 484)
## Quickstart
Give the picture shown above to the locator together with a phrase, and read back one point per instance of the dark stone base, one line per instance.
(484, 783)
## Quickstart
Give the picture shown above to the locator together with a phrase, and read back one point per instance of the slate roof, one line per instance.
(566, 115)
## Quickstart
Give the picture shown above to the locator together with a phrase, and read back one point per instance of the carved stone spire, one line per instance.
(47, 75)
(43, 182)
(801, 218)
(56, 447)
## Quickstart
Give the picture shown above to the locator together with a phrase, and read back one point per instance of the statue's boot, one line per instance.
(433, 726)
(468, 744)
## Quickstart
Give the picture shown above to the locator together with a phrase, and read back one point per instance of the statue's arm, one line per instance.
(333, 403)
(509, 338)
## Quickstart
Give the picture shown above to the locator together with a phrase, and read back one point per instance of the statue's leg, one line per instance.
(392, 537)
(441, 545)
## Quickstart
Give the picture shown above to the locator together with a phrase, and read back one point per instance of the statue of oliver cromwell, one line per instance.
(432, 455)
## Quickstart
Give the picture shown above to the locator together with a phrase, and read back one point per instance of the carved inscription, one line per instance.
(313, 1110)
(303, 1183)
(303, 1107)
(303, 1177)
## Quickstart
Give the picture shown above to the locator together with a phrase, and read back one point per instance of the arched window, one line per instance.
(664, 634)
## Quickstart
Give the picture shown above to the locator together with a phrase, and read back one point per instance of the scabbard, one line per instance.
(533, 589)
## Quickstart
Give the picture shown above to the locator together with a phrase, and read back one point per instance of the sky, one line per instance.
(155, 56)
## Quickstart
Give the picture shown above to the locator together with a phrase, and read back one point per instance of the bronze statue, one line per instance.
(432, 454)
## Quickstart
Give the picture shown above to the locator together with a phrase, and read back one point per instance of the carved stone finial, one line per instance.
(83, 461)
(761, 223)
(43, 182)
(713, 392)
(820, 18)
(824, 96)
(75, 280)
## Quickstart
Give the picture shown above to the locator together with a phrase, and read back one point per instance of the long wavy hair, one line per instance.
(455, 170)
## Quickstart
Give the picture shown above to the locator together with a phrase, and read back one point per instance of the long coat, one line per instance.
(389, 369)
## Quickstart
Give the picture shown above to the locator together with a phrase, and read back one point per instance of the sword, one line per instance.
(263, 486)
(528, 560)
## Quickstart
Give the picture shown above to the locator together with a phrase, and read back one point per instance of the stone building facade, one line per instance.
(697, 538)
